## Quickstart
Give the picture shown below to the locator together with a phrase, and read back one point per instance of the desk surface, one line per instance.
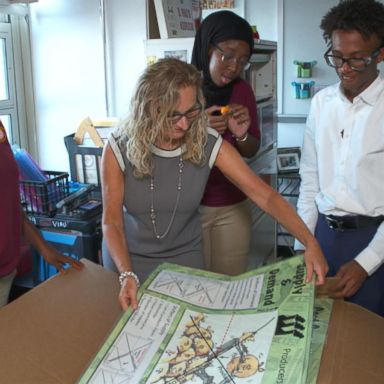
(50, 334)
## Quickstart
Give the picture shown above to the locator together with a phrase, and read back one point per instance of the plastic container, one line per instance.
(71, 243)
(28, 168)
(303, 90)
(304, 68)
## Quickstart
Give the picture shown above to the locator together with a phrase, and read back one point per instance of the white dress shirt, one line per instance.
(342, 162)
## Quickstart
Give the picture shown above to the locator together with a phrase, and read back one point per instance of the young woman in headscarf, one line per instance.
(222, 48)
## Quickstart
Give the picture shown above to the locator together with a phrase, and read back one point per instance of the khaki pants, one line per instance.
(5, 287)
(226, 237)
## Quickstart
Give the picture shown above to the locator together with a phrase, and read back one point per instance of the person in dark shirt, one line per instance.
(14, 224)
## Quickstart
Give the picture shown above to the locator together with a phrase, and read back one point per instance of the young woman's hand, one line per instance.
(216, 120)
(239, 120)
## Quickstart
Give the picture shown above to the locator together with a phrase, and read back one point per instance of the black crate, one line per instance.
(84, 163)
(40, 197)
(60, 222)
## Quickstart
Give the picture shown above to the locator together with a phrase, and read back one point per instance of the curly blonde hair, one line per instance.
(156, 97)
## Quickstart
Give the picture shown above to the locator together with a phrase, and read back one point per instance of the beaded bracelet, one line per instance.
(125, 274)
(243, 138)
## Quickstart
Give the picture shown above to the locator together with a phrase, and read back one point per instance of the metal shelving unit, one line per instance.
(262, 78)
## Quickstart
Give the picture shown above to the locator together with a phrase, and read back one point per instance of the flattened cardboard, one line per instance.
(51, 334)
(353, 353)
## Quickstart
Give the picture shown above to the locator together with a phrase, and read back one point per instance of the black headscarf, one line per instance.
(215, 28)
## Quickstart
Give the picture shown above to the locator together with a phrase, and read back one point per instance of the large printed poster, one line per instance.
(198, 327)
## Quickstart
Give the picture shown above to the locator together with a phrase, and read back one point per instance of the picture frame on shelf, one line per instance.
(288, 159)
(175, 18)
(180, 54)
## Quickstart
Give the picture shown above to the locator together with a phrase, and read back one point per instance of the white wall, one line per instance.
(69, 77)
(68, 72)
(126, 22)
(290, 134)
(263, 14)
(67, 56)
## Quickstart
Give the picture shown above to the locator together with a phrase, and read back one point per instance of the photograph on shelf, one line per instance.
(288, 159)
(180, 54)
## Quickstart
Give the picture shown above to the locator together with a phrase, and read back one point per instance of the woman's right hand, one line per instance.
(216, 120)
(128, 294)
(315, 262)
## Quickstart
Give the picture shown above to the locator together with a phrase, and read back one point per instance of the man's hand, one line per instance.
(352, 276)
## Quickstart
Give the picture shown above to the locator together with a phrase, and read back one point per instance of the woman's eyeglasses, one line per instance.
(230, 58)
(190, 115)
(357, 64)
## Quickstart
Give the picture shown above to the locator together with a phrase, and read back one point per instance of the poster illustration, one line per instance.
(194, 326)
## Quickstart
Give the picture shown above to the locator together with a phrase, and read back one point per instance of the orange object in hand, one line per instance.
(224, 110)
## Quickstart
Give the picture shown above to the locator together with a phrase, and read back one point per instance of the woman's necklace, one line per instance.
(152, 210)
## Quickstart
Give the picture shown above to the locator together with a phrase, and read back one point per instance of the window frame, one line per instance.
(8, 106)
(20, 105)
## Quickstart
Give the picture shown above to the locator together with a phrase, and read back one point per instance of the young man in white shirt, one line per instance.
(342, 164)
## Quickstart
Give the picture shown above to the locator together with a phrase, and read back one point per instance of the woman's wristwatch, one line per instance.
(125, 274)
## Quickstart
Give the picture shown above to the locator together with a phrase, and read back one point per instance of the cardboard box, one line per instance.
(51, 334)
(353, 353)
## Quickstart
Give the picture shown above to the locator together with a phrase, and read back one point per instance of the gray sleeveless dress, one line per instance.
(183, 242)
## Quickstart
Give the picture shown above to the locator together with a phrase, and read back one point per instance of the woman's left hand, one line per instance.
(239, 120)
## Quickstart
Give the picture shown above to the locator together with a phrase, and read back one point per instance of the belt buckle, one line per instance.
(337, 225)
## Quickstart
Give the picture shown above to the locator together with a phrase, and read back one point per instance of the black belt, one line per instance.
(342, 223)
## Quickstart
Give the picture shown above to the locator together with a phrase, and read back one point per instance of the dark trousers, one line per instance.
(339, 247)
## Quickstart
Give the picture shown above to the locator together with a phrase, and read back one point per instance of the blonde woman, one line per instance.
(154, 171)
